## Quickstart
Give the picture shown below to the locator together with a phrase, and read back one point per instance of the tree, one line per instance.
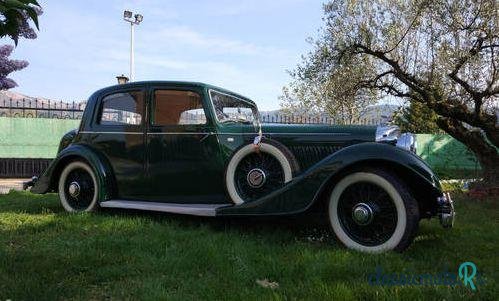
(8, 66)
(440, 53)
(15, 24)
(417, 118)
(16, 15)
(332, 90)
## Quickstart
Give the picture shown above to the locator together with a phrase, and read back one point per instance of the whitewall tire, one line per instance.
(78, 188)
(372, 211)
(283, 165)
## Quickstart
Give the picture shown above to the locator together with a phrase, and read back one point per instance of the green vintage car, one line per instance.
(192, 148)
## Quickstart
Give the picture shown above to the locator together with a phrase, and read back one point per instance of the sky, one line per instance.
(245, 46)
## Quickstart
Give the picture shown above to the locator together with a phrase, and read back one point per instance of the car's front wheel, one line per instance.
(78, 188)
(373, 211)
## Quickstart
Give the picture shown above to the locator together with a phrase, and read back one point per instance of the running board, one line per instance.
(191, 209)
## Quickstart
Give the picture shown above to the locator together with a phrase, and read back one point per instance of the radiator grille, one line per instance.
(308, 155)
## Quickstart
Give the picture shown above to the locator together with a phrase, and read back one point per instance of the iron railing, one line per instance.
(22, 168)
(33, 108)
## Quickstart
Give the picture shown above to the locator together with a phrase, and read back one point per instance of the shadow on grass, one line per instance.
(46, 253)
(310, 227)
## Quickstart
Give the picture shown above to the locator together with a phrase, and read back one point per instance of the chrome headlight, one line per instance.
(392, 134)
(387, 133)
(407, 141)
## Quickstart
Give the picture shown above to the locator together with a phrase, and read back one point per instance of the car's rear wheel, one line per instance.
(372, 211)
(78, 188)
(253, 172)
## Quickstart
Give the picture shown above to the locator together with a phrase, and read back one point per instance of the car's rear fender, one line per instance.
(48, 181)
(313, 184)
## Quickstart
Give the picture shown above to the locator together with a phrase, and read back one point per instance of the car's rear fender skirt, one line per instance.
(47, 182)
(303, 191)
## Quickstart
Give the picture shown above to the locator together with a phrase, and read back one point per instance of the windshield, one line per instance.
(233, 109)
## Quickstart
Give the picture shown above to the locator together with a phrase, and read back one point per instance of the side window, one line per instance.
(172, 107)
(122, 109)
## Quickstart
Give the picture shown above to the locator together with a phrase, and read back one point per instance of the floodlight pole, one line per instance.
(132, 54)
(133, 20)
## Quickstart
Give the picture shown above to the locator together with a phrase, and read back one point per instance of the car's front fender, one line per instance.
(299, 194)
(48, 181)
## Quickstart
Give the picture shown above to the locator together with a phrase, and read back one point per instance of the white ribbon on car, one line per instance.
(258, 140)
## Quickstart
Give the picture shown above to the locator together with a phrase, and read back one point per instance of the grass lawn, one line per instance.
(47, 254)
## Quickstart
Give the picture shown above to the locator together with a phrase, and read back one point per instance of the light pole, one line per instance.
(133, 20)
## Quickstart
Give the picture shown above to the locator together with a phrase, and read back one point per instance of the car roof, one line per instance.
(171, 83)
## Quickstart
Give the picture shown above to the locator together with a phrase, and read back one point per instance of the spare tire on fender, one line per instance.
(254, 172)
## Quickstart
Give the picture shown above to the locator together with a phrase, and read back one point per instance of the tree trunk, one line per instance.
(476, 141)
(490, 168)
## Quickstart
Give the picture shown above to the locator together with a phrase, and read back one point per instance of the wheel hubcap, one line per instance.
(74, 189)
(256, 178)
(371, 222)
(257, 175)
(362, 214)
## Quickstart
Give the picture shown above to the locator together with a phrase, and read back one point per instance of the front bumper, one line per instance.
(446, 212)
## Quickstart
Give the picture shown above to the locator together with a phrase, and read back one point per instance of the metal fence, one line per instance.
(22, 168)
(306, 119)
(34, 108)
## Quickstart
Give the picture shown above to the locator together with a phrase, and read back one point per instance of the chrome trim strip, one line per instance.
(211, 133)
(334, 134)
(122, 133)
(181, 133)
(191, 209)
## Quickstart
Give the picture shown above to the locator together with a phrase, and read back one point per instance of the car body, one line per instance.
(193, 148)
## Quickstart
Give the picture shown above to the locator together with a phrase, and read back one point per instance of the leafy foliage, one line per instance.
(417, 118)
(8, 66)
(321, 87)
(440, 53)
(14, 23)
(15, 17)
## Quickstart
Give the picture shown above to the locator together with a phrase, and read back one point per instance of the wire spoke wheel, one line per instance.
(253, 173)
(373, 211)
(367, 213)
(257, 175)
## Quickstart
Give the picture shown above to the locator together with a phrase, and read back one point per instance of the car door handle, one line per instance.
(206, 136)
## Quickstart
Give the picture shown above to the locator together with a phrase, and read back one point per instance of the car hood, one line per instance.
(365, 133)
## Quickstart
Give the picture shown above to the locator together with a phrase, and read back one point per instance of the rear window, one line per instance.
(124, 108)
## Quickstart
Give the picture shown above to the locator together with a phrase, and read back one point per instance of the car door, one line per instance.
(118, 133)
(184, 164)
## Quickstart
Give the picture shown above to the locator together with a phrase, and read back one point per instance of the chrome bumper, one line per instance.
(446, 212)
(29, 184)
